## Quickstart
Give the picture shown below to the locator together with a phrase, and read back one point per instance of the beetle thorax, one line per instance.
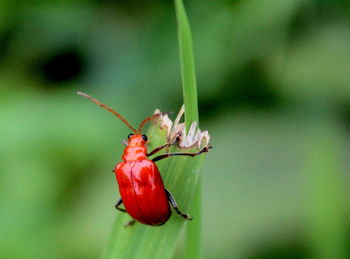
(134, 153)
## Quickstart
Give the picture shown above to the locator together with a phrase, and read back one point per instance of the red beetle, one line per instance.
(140, 184)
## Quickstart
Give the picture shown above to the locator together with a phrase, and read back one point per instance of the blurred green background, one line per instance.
(273, 81)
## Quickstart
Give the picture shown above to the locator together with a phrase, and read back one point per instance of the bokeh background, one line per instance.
(273, 82)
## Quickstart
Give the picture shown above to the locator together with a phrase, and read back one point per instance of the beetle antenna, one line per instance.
(108, 109)
(147, 120)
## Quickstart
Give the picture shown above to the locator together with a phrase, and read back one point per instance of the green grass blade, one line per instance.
(189, 86)
(193, 247)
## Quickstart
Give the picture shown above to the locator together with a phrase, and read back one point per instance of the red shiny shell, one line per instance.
(142, 191)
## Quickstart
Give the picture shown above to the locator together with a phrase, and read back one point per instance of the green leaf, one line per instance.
(189, 86)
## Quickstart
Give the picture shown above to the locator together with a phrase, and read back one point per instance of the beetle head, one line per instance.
(137, 140)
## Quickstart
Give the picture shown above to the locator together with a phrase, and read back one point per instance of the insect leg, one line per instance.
(203, 150)
(120, 201)
(174, 204)
(157, 149)
(130, 223)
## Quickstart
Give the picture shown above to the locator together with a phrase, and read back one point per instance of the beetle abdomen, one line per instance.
(142, 191)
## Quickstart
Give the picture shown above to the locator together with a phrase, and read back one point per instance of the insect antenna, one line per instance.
(147, 120)
(108, 109)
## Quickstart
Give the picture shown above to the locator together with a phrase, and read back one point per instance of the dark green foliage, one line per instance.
(270, 75)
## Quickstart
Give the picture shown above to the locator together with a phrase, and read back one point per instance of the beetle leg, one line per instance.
(203, 150)
(120, 201)
(157, 149)
(174, 204)
(130, 223)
